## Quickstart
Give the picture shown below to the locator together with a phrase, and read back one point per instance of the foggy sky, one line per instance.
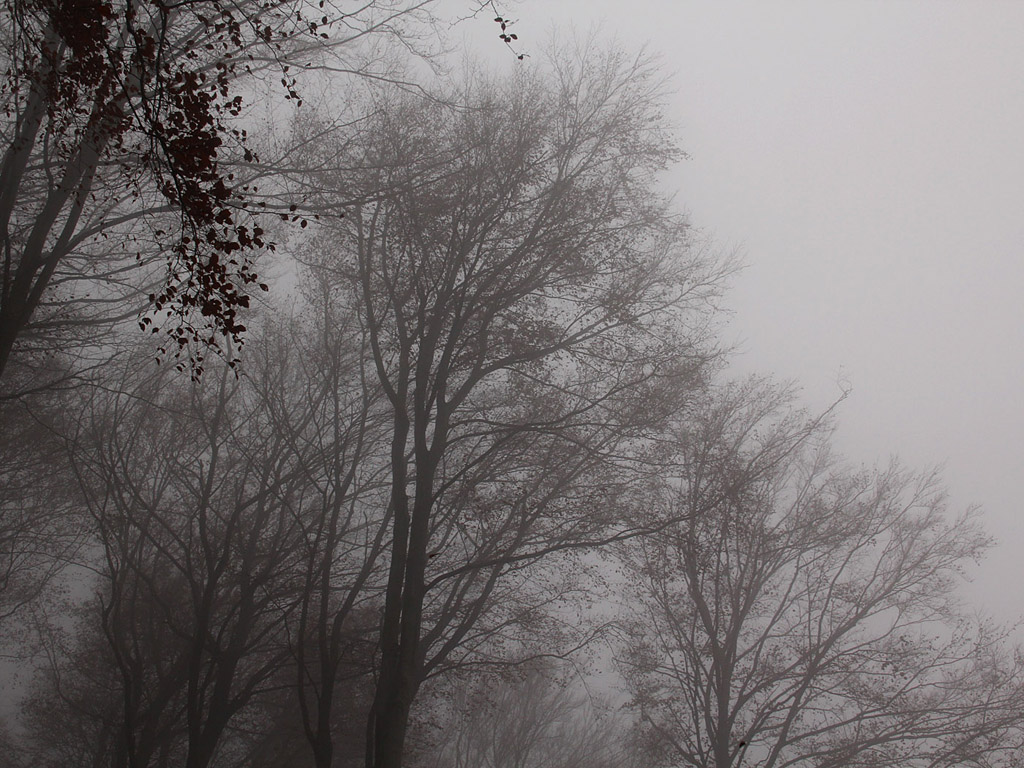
(867, 161)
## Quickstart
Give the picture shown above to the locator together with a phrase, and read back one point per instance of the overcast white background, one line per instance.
(867, 159)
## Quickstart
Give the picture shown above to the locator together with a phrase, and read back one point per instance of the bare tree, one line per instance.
(71, 714)
(801, 615)
(519, 280)
(193, 494)
(330, 420)
(39, 528)
(238, 555)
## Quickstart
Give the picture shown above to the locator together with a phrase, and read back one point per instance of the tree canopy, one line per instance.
(481, 441)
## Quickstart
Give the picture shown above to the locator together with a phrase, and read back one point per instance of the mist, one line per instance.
(475, 385)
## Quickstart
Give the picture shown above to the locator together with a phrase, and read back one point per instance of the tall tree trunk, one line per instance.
(403, 615)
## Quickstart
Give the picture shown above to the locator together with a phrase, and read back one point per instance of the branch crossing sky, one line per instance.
(867, 160)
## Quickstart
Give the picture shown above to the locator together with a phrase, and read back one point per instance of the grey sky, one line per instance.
(867, 158)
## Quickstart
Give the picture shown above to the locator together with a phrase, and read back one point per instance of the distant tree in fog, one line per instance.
(538, 720)
(39, 529)
(800, 614)
(72, 710)
(328, 417)
(233, 555)
(193, 495)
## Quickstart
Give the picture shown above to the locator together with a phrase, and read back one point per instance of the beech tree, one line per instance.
(803, 615)
(123, 144)
(519, 279)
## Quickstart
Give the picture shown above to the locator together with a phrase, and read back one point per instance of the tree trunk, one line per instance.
(403, 616)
